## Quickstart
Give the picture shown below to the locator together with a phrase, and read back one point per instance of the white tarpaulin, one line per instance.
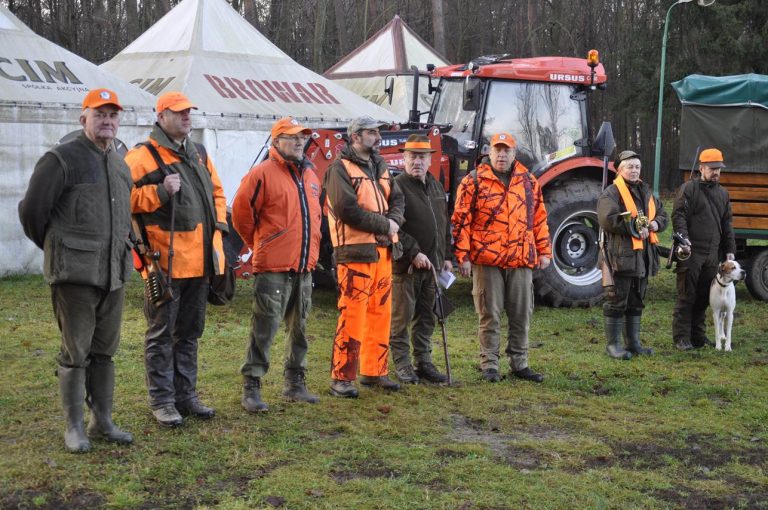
(390, 51)
(240, 81)
(42, 87)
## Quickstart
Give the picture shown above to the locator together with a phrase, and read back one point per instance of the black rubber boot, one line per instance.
(632, 336)
(100, 385)
(295, 388)
(251, 401)
(72, 388)
(615, 345)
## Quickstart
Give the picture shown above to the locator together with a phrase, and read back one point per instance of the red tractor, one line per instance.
(543, 102)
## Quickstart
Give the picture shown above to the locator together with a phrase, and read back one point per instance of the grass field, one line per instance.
(676, 430)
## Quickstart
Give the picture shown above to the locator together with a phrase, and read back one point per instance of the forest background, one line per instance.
(728, 37)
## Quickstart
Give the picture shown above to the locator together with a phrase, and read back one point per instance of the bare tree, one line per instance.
(533, 24)
(438, 26)
(341, 29)
(318, 46)
(132, 27)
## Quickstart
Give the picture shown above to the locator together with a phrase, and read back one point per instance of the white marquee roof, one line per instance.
(36, 71)
(390, 51)
(205, 49)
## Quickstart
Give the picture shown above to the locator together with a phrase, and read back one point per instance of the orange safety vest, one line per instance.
(371, 196)
(629, 202)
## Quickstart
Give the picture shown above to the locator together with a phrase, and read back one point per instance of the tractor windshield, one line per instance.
(448, 110)
(542, 117)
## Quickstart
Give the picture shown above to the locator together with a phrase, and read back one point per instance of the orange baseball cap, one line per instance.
(503, 139)
(174, 101)
(712, 158)
(288, 126)
(99, 97)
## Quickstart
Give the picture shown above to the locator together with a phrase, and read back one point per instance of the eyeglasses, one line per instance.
(293, 138)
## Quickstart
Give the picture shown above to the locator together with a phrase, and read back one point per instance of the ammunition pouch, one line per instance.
(156, 287)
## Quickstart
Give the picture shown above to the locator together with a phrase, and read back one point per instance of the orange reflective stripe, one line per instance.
(629, 203)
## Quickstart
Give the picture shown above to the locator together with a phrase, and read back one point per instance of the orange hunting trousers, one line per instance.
(362, 333)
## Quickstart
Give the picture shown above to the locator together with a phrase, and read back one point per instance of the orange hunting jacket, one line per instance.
(498, 226)
(200, 214)
(277, 213)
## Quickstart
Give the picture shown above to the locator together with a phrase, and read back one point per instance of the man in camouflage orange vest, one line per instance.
(501, 235)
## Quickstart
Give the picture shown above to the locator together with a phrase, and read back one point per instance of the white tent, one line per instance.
(240, 81)
(42, 87)
(390, 51)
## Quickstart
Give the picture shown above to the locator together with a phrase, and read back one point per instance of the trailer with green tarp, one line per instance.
(731, 113)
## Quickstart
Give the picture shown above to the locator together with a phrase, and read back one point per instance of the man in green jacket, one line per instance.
(424, 236)
(77, 210)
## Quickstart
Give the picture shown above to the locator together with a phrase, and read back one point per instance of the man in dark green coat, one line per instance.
(77, 209)
(425, 237)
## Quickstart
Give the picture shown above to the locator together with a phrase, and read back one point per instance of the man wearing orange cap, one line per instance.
(425, 237)
(179, 203)
(702, 214)
(365, 211)
(77, 210)
(277, 213)
(500, 236)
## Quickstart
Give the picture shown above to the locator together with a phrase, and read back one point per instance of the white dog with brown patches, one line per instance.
(722, 299)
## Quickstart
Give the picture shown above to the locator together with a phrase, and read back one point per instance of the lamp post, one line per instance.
(657, 156)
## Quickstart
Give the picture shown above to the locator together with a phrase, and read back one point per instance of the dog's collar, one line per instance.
(717, 279)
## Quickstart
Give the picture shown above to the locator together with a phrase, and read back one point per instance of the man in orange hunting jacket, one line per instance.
(277, 213)
(174, 178)
(501, 235)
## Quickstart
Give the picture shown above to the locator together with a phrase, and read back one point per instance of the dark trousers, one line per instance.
(170, 345)
(689, 316)
(89, 319)
(626, 297)
(413, 297)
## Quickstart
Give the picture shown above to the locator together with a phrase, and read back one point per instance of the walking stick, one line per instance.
(442, 309)
(170, 241)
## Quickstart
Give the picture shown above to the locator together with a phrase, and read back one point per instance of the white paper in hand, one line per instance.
(446, 279)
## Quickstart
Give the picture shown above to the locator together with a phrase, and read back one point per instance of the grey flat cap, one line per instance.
(364, 122)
